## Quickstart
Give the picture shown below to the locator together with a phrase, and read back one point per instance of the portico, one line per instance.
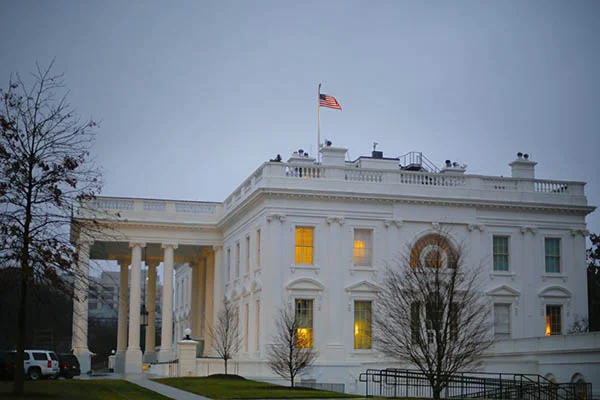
(138, 241)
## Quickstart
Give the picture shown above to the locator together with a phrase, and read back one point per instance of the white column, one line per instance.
(80, 307)
(201, 298)
(133, 355)
(122, 324)
(150, 353)
(209, 299)
(166, 343)
(218, 279)
(195, 303)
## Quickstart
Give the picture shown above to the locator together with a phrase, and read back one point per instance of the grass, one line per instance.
(227, 388)
(100, 389)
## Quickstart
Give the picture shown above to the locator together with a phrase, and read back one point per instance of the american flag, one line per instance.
(326, 100)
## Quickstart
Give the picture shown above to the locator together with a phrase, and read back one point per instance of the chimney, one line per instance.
(335, 156)
(522, 167)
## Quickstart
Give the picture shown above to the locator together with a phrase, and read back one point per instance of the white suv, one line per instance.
(40, 363)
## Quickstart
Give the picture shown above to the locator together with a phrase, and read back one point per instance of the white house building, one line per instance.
(317, 235)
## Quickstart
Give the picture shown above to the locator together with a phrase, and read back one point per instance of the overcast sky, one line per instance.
(193, 96)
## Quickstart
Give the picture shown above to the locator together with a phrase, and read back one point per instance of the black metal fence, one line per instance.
(394, 382)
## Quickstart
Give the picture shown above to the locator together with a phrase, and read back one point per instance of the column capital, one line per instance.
(138, 244)
(171, 245)
(217, 247)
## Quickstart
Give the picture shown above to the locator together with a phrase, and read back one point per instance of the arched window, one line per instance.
(433, 250)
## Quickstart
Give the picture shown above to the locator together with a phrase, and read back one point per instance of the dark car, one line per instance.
(69, 365)
(7, 365)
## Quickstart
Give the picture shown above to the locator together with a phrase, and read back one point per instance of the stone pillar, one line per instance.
(133, 355)
(194, 303)
(166, 343)
(201, 298)
(186, 353)
(150, 353)
(209, 299)
(122, 324)
(80, 307)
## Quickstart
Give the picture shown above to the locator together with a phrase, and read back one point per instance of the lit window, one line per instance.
(304, 245)
(500, 253)
(553, 320)
(552, 248)
(363, 247)
(304, 320)
(502, 321)
(362, 324)
(258, 248)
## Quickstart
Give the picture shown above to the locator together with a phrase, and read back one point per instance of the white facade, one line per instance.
(529, 234)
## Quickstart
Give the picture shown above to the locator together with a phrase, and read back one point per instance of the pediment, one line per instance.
(305, 284)
(363, 287)
(555, 292)
(503, 290)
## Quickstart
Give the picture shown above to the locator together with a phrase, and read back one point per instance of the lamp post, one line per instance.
(143, 325)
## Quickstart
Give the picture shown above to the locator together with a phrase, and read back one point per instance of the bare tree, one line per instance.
(44, 172)
(225, 337)
(430, 311)
(290, 352)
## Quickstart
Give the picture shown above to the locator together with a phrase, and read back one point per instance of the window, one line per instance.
(257, 324)
(39, 356)
(228, 264)
(258, 248)
(304, 319)
(237, 260)
(552, 248)
(501, 321)
(553, 320)
(246, 326)
(362, 324)
(415, 321)
(363, 247)
(501, 255)
(304, 245)
(247, 254)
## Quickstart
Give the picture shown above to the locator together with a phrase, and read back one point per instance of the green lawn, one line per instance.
(99, 389)
(219, 388)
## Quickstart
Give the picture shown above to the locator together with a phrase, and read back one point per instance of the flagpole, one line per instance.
(319, 125)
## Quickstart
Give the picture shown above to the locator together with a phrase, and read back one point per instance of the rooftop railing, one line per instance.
(400, 181)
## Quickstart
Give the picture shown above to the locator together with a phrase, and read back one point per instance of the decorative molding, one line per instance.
(582, 232)
(389, 222)
(309, 267)
(165, 245)
(436, 225)
(532, 229)
(479, 227)
(331, 220)
(280, 217)
(133, 244)
(217, 247)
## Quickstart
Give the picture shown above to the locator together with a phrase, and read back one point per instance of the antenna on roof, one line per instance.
(375, 145)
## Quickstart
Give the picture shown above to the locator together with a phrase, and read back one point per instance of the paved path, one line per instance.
(165, 390)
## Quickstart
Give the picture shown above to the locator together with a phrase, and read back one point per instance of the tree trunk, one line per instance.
(225, 366)
(19, 384)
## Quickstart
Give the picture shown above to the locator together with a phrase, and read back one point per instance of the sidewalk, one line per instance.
(165, 390)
